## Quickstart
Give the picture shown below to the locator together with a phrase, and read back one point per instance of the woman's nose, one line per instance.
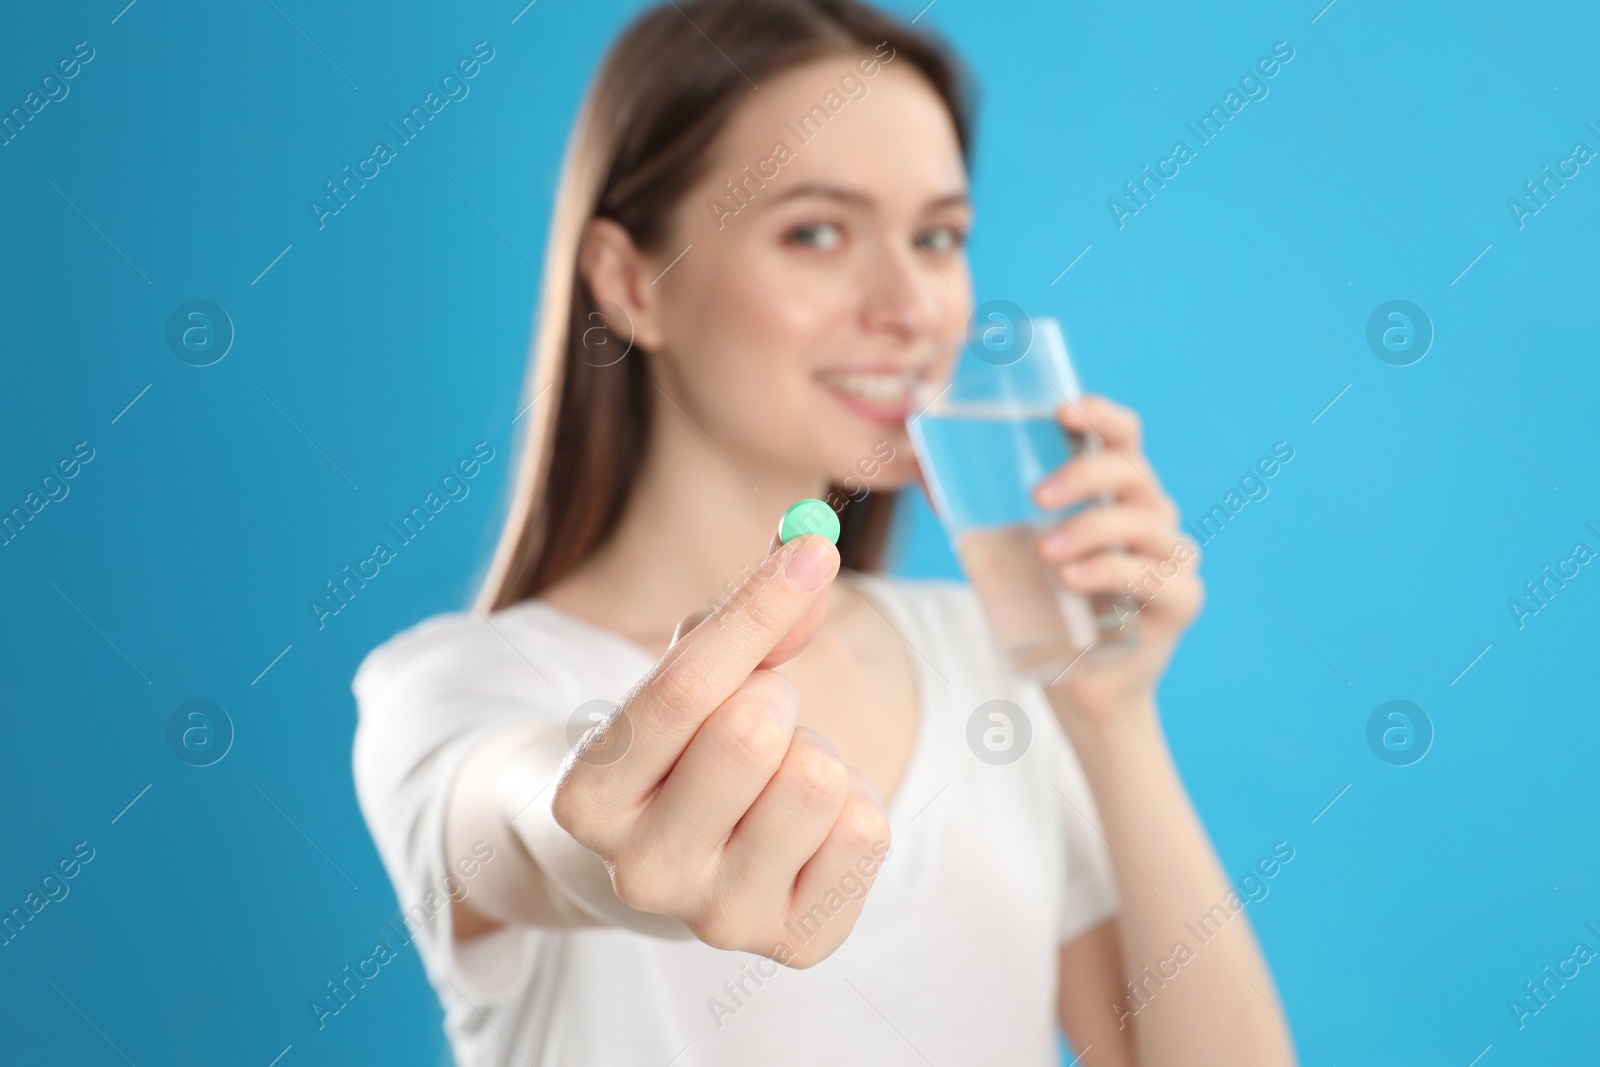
(901, 290)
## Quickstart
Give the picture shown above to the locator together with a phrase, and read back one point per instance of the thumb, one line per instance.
(787, 647)
(795, 641)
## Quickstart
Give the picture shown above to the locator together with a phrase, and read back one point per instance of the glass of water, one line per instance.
(984, 441)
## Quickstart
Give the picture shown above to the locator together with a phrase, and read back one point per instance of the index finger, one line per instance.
(1118, 426)
(709, 664)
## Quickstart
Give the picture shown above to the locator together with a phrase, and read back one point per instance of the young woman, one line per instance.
(780, 849)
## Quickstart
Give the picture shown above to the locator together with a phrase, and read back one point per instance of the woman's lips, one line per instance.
(878, 396)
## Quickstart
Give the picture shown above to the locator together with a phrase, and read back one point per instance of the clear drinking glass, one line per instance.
(984, 441)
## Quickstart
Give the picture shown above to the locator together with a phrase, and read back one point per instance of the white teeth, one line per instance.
(887, 387)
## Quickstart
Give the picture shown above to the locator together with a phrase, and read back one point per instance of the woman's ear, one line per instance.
(618, 275)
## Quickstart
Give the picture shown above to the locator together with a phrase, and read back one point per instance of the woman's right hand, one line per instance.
(721, 812)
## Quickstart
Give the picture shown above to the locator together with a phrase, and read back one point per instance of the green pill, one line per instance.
(806, 517)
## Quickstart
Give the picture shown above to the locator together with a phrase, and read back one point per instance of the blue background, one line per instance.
(1230, 311)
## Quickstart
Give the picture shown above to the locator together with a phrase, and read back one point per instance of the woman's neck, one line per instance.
(696, 525)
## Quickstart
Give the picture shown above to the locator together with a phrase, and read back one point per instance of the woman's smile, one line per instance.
(878, 393)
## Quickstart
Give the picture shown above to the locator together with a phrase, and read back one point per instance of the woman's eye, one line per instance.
(941, 239)
(822, 236)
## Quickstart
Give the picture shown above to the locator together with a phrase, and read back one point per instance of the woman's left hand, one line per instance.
(1130, 546)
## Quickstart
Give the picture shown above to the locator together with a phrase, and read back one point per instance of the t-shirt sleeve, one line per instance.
(424, 699)
(1089, 894)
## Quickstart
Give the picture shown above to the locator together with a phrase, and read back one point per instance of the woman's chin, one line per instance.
(883, 465)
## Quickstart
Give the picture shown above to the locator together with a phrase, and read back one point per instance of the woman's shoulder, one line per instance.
(449, 631)
(463, 646)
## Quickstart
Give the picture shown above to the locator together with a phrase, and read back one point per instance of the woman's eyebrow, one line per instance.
(851, 194)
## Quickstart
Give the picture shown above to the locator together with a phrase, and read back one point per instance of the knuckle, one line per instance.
(748, 733)
(862, 824)
(761, 613)
(725, 924)
(771, 689)
(1130, 523)
(818, 778)
(1088, 525)
(807, 957)
(683, 688)
(570, 810)
(641, 888)
(1091, 567)
(634, 891)
(1082, 574)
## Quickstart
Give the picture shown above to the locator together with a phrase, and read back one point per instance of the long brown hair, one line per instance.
(639, 143)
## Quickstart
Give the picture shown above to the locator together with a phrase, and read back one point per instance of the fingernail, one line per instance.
(688, 623)
(809, 566)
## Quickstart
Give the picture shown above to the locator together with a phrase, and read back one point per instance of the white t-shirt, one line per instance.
(954, 957)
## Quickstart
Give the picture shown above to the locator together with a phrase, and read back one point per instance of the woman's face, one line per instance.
(793, 318)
